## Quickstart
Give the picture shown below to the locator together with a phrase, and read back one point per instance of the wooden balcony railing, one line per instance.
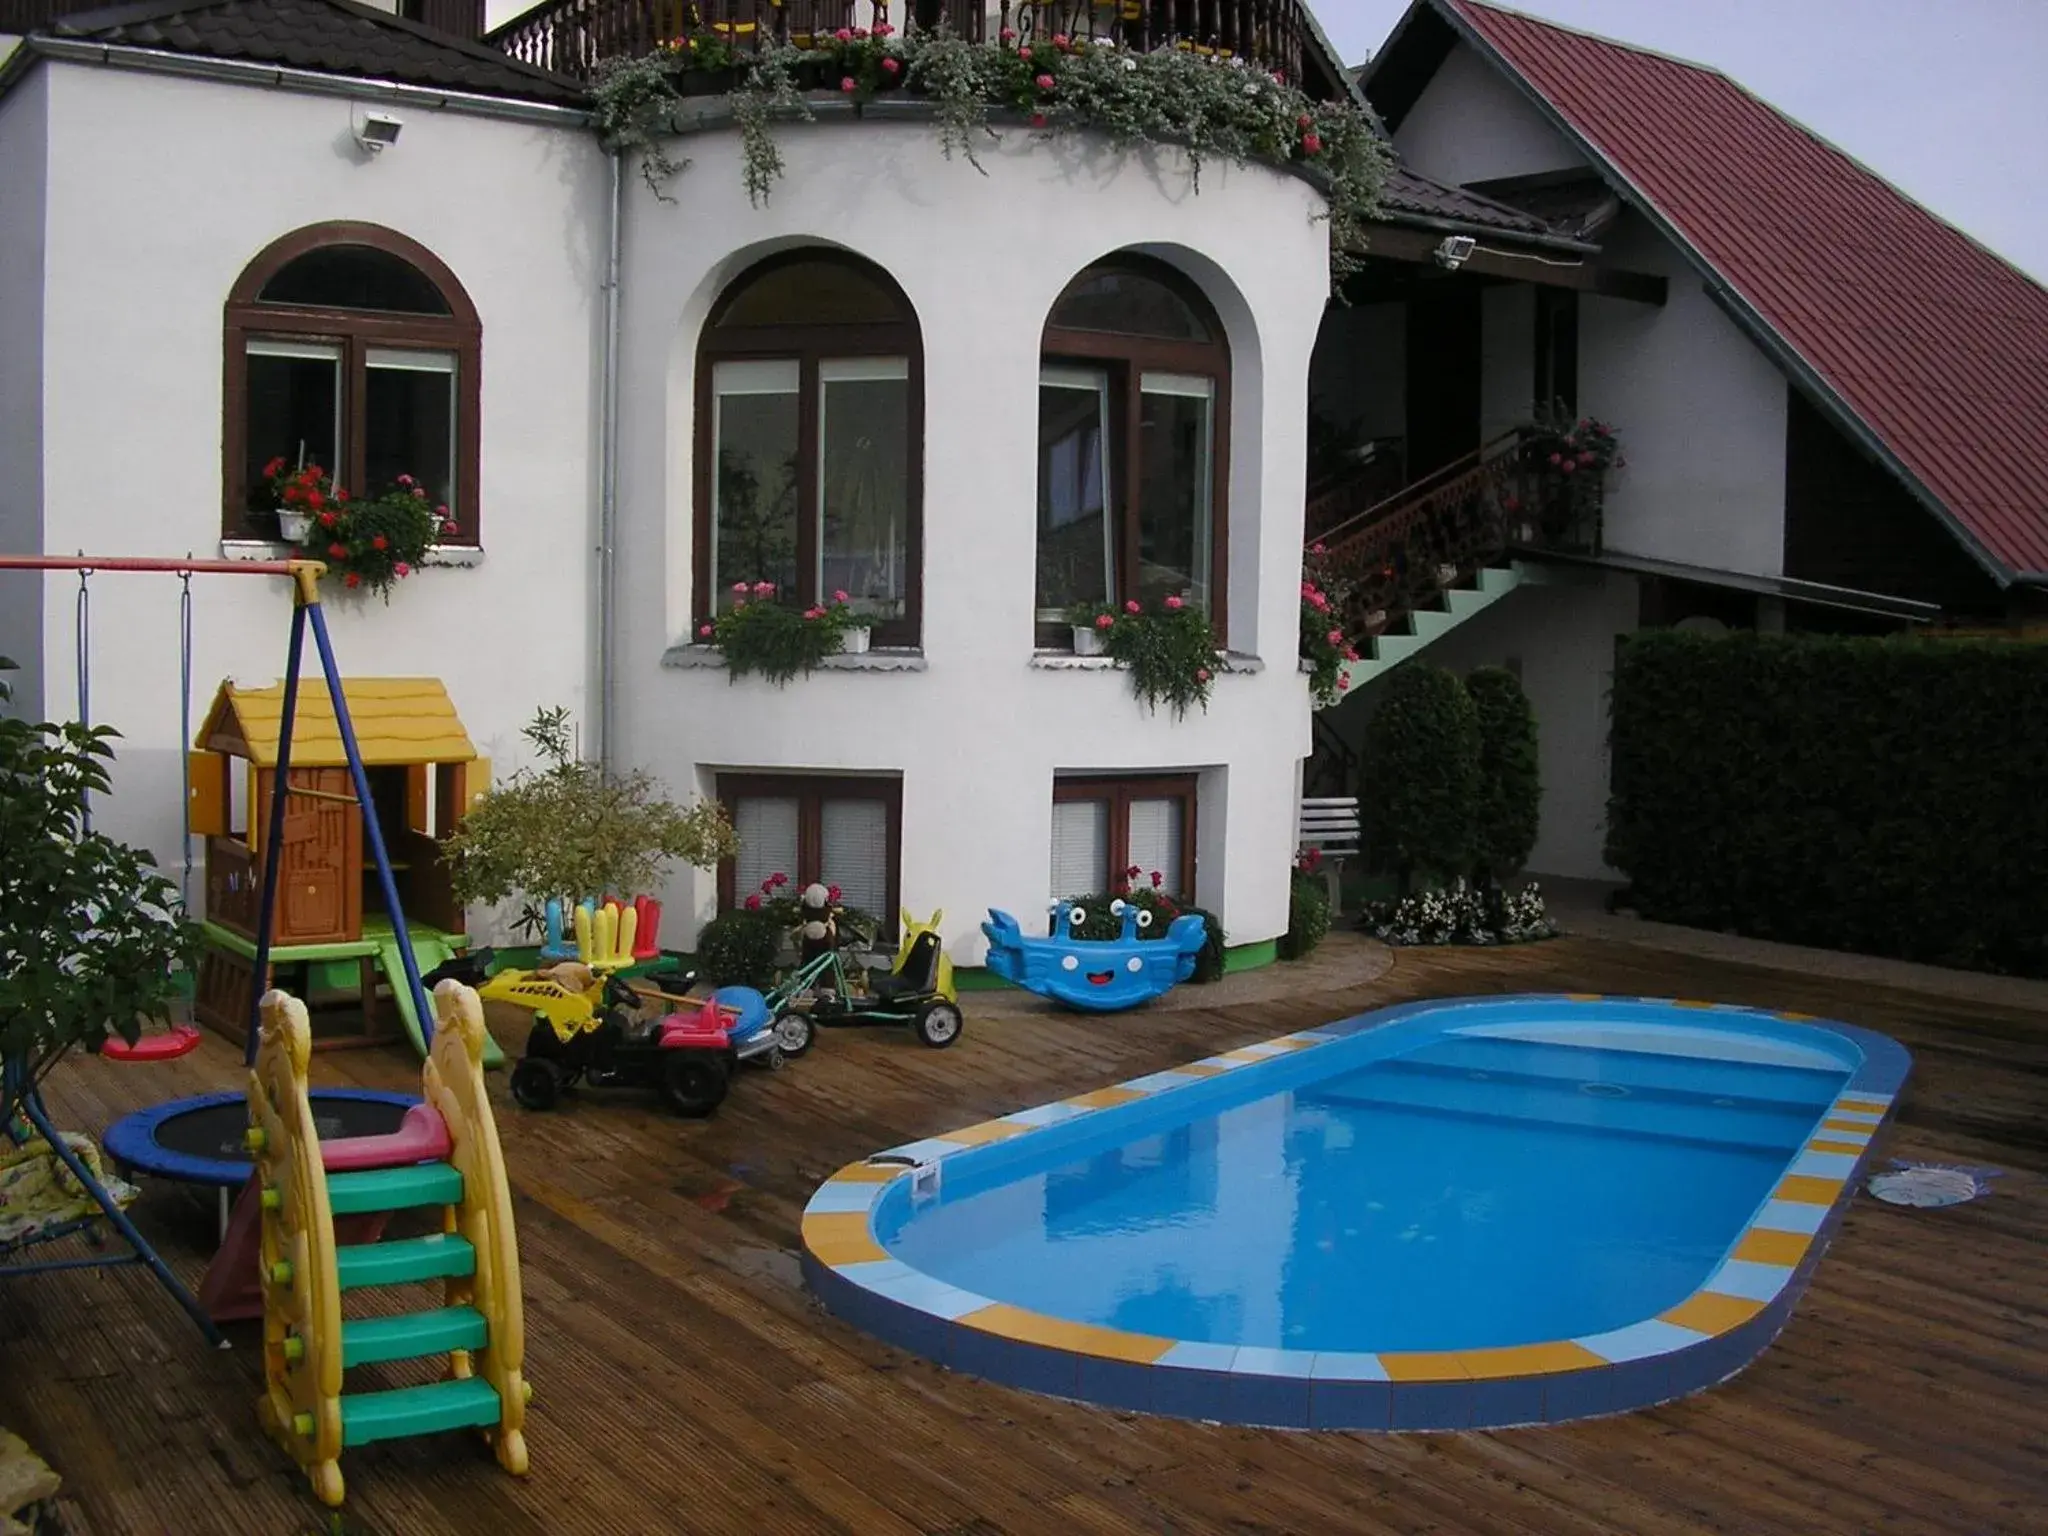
(1394, 557)
(573, 37)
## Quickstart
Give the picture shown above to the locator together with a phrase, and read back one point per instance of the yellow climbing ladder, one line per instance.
(308, 1343)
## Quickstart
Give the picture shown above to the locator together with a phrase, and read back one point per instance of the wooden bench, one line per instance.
(1330, 826)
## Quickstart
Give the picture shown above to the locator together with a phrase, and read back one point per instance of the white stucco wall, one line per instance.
(1470, 125)
(24, 155)
(1701, 414)
(1359, 374)
(979, 734)
(161, 191)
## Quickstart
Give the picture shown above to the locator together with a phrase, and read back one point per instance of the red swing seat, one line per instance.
(178, 1040)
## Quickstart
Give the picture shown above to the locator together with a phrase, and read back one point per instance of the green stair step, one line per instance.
(402, 1261)
(394, 1189)
(412, 1335)
(467, 1404)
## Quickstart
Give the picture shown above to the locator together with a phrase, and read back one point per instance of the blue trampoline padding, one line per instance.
(132, 1140)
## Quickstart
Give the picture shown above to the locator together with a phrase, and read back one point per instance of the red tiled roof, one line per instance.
(1937, 346)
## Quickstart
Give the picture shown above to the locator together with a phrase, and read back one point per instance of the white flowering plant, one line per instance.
(1460, 914)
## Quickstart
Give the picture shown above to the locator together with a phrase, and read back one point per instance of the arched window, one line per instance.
(810, 437)
(354, 348)
(1133, 419)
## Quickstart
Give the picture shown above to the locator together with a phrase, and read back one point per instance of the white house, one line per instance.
(968, 396)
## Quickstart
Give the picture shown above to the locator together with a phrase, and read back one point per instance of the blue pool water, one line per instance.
(1428, 1186)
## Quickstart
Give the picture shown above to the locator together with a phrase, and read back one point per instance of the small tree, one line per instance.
(569, 829)
(1422, 763)
(90, 932)
(1510, 799)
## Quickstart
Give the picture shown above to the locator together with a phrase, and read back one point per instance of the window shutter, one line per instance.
(1080, 846)
(766, 825)
(1156, 843)
(853, 853)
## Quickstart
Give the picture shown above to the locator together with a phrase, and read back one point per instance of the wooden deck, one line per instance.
(686, 1383)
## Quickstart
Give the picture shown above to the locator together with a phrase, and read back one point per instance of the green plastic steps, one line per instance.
(1425, 625)
(467, 1404)
(393, 1189)
(402, 1261)
(411, 1335)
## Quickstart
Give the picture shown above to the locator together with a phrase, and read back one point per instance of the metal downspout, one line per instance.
(608, 485)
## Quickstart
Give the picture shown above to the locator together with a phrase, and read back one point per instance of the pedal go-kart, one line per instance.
(917, 990)
(687, 1048)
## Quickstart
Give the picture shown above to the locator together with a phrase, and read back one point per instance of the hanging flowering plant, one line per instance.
(758, 633)
(374, 542)
(1323, 643)
(305, 489)
(1170, 650)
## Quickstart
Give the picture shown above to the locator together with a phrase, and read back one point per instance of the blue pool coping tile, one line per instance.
(1645, 1363)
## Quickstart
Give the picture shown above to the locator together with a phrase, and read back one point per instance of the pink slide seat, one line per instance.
(421, 1137)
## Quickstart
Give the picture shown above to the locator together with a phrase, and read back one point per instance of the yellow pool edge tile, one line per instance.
(1027, 1327)
(1807, 1189)
(984, 1132)
(867, 1173)
(1863, 1105)
(1848, 1128)
(1200, 1069)
(1424, 1365)
(1528, 1360)
(1767, 1245)
(841, 1237)
(1105, 1098)
(1711, 1313)
(1852, 1148)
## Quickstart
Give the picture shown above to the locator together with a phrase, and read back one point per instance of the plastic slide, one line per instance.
(427, 953)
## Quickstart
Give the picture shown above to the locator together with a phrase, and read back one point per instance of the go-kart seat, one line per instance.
(918, 977)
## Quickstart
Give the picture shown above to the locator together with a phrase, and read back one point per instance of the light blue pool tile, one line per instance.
(1254, 1361)
(1639, 1341)
(1199, 1357)
(1824, 1165)
(1043, 1114)
(924, 1151)
(1156, 1081)
(1790, 1216)
(1318, 1035)
(1345, 1365)
(1758, 1282)
(847, 1196)
(929, 1295)
(875, 1272)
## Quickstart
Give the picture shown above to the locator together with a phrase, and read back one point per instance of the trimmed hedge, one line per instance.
(1308, 917)
(739, 948)
(1510, 805)
(1422, 759)
(1888, 796)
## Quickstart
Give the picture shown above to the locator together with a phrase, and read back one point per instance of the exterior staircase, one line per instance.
(1383, 652)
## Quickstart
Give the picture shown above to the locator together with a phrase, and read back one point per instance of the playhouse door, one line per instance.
(319, 882)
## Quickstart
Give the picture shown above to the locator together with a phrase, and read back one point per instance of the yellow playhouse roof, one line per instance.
(397, 720)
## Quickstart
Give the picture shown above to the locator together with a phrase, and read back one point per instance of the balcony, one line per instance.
(573, 37)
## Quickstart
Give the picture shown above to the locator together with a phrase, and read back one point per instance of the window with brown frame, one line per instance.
(846, 832)
(1102, 828)
(810, 441)
(351, 347)
(1133, 433)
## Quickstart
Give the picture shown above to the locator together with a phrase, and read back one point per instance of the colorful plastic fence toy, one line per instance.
(603, 935)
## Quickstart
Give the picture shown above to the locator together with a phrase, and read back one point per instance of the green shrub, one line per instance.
(1104, 924)
(1422, 759)
(1878, 795)
(1308, 917)
(1509, 806)
(739, 949)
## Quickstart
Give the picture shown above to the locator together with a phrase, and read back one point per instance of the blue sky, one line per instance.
(1946, 99)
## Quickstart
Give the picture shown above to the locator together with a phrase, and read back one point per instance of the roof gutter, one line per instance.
(278, 77)
(1485, 232)
(1732, 302)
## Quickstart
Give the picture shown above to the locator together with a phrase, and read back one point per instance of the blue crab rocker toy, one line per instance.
(1095, 975)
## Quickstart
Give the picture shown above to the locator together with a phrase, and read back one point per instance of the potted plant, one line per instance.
(92, 940)
(759, 634)
(856, 629)
(568, 828)
(1170, 651)
(1091, 624)
(375, 542)
(298, 495)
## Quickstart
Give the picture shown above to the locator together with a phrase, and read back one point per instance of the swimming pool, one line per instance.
(1453, 1214)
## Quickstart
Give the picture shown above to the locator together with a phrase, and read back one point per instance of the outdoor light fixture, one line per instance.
(1454, 251)
(379, 129)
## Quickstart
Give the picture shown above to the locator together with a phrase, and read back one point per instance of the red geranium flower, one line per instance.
(753, 903)
(326, 519)
(274, 468)
(1038, 119)
(1044, 82)
(401, 569)
(380, 542)
(315, 500)
(352, 579)
(1131, 607)
(337, 551)
(1311, 144)
(847, 85)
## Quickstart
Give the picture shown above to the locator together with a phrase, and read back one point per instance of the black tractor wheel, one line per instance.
(794, 1033)
(693, 1082)
(938, 1024)
(537, 1083)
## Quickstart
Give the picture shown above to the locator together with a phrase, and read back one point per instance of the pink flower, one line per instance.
(1103, 621)
(844, 35)
(401, 569)
(1317, 548)
(1044, 82)
(1311, 144)
(1556, 459)
(1201, 674)
(847, 85)
(1131, 606)
(1173, 603)
(1586, 457)
(831, 893)
(703, 631)
(740, 587)
(778, 880)
(1009, 35)
(1038, 119)
(1343, 682)
(754, 903)
(1350, 654)
(838, 597)
(764, 589)
(1320, 603)
(1059, 39)
(814, 613)
(1304, 120)
(860, 32)
(420, 492)
(1335, 637)
(1157, 880)
(883, 29)
(406, 481)
(449, 526)
(1566, 467)
(889, 65)
(1024, 54)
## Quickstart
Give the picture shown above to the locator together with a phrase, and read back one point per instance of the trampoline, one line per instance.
(199, 1140)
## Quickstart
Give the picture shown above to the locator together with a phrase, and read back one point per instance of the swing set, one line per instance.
(23, 1114)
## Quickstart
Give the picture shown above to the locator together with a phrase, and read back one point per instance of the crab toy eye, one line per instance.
(1077, 915)
(1070, 963)
(1116, 908)
(1134, 965)
(1144, 919)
